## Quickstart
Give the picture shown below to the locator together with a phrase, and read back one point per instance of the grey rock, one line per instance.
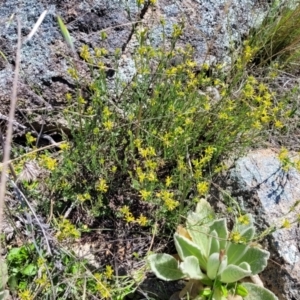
(265, 189)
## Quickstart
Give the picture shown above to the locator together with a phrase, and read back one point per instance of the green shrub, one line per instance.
(162, 133)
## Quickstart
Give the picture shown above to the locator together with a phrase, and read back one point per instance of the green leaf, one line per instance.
(213, 264)
(29, 270)
(256, 292)
(136, 185)
(220, 226)
(199, 232)
(214, 245)
(65, 33)
(257, 259)
(235, 252)
(165, 267)
(13, 282)
(186, 247)
(190, 267)
(234, 273)
(204, 210)
(13, 254)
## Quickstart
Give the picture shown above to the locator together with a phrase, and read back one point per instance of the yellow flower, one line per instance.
(257, 125)
(244, 219)
(129, 217)
(188, 121)
(109, 272)
(81, 100)
(124, 210)
(68, 96)
(64, 146)
(100, 52)
(73, 73)
(106, 112)
(108, 125)
(223, 116)
(137, 143)
(145, 194)
(151, 151)
(29, 138)
(142, 220)
(171, 204)
(235, 237)
(48, 162)
(26, 295)
(143, 152)
(102, 186)
(278, 124)
(151, 176)
(80, 198)
(181, 165)
(168, 181)
(202, 187)
(178, 130)
(283, 154)
(151, 164)
(84, 53)
(286, 224)
(43, 280)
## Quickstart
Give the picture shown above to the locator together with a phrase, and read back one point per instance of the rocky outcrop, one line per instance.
(263, 187)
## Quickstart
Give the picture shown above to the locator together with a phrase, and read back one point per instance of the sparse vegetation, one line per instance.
(141, 153)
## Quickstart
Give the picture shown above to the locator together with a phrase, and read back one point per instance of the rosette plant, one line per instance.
(214, 260)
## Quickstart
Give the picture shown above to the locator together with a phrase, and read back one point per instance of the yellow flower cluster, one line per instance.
(244, 219)
(66, 230)
(83, 197)
(48, 162)
(168, 199)
(202, 188)
(101, 185)
(85, 54)
(25, 295)
(102, 286)
(129, 218)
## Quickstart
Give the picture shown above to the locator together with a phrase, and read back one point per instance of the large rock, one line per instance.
(211, 27)
(264, 188)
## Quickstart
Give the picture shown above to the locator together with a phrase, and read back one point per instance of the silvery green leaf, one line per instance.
(190, 267)
(257, 259)
(204, 210)
(214, 245)
(213, 265)
(234, 273)
(199, 232)
(165, 267)
(186, 247)
(236, 252)
(256, 292)
(220, 226)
